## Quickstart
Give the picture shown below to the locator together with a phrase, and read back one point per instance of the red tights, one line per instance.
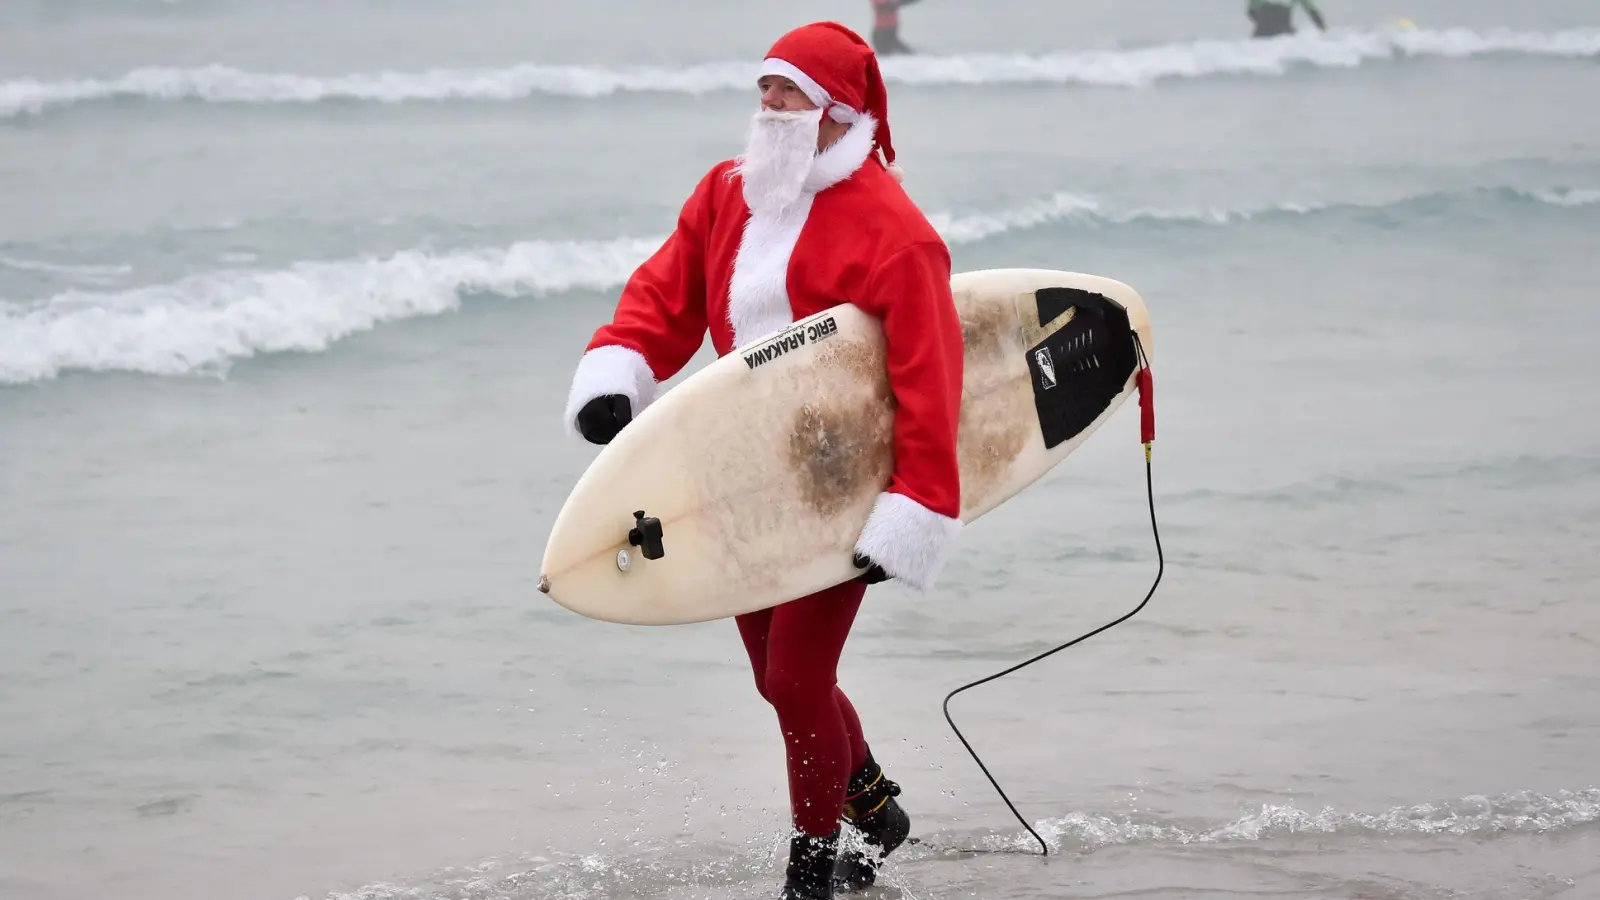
(794, 651)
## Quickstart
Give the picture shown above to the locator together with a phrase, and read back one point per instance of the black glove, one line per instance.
(874, 573)
(603, 417)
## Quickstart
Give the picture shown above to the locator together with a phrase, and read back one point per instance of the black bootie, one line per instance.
(870, 807)
(811, 863)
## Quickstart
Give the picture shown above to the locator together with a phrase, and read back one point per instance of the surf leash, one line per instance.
(1147, 436)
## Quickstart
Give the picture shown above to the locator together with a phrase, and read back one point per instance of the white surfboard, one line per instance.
(762, 467)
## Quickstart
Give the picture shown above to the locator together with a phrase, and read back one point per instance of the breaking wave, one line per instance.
(203, 322)
(1134, 67)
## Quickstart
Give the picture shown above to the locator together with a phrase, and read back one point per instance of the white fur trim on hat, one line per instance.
(611, 369)
(808, 86)
(909, 540)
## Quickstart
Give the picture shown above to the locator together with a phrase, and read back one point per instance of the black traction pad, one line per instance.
(1080, 369)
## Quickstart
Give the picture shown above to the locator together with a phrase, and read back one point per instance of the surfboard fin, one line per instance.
(646, 535)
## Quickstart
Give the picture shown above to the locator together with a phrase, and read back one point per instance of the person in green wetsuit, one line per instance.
(1275, 17)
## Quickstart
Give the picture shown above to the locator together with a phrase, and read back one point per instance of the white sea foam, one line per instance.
(1107, 68)
(1480, 816)
(203, 322)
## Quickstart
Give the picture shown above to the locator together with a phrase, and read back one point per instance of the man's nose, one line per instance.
(772, 98)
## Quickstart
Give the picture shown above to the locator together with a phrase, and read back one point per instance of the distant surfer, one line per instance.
(886, 27)
(810, 215)
(1275, 17)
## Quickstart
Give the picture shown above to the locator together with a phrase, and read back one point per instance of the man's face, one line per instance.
(786, 134)
(779, 93)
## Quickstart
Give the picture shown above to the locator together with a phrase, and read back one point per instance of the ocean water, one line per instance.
(290, 296)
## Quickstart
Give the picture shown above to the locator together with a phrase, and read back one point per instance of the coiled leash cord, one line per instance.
(1147, 435)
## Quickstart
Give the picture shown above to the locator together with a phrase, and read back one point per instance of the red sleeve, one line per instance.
(925, 373)
(914, 522)
(662, 312)
(660, 320)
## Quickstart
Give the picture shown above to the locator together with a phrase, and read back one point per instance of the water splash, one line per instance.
(651, 869)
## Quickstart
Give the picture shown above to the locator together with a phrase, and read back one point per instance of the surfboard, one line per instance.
(747, 484)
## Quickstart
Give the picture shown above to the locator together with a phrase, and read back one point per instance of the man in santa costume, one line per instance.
(809, 216)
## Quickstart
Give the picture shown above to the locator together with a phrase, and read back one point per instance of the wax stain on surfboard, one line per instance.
(989, 440)
(839, 450)
(763, 466)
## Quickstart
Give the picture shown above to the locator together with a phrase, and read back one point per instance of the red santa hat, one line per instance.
(837, 71)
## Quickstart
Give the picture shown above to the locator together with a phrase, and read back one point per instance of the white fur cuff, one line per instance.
(907, 539)
(612, 369)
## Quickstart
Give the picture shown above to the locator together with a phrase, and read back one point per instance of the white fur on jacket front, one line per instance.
(758, 293)
(611, 369)
(910, 541)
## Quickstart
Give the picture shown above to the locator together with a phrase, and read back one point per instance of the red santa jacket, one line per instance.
(853, 237)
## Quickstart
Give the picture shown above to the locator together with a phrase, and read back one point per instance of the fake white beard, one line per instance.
(779, 153)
